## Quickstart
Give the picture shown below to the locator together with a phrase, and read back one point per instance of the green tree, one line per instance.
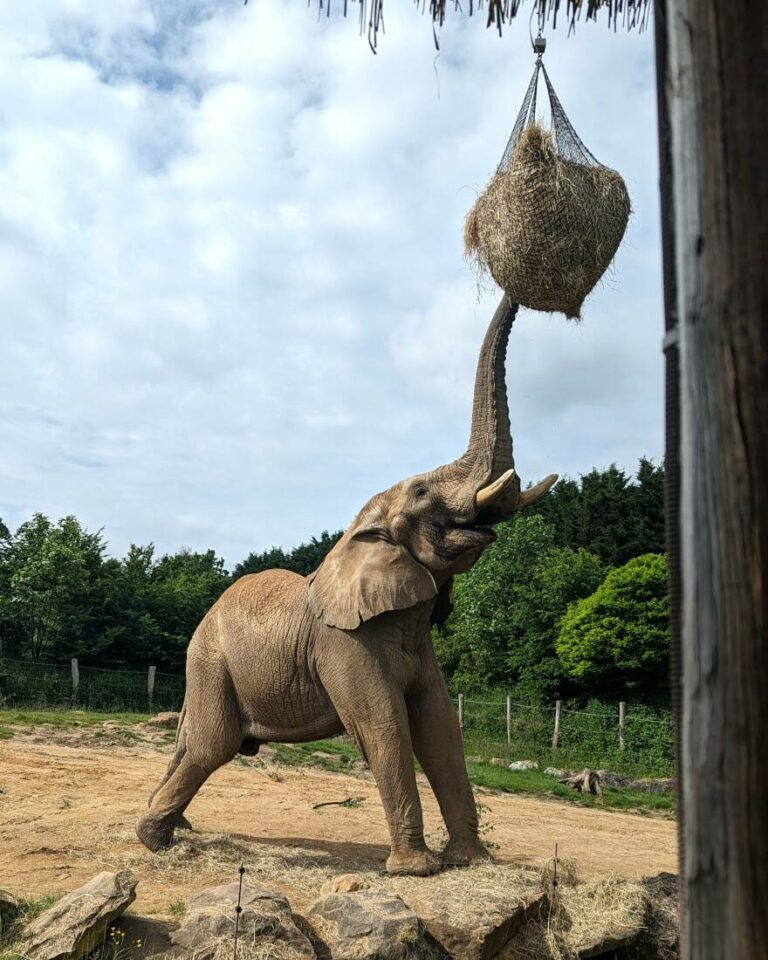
(618, 635)
(53, 588)
(507, 607)
(132, 633)
(184, 587)
(608, 513)
(302, 559)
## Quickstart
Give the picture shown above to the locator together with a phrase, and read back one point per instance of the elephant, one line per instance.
(285, 658)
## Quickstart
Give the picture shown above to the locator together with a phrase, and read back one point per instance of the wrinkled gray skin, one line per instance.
(285, 658)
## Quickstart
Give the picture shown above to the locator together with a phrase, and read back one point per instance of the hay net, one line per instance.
(567, 142)
(549, 222)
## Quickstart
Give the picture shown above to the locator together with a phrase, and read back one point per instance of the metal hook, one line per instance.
(539, 44)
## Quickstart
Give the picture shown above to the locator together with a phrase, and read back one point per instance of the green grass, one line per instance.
(335, 755)
(10, 948)
(177, 909)
(536, 783)
(67, 719)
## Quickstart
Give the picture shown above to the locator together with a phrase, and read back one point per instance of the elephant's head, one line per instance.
(409, 540)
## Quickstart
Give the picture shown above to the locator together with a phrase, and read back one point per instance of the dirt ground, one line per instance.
(68, 808)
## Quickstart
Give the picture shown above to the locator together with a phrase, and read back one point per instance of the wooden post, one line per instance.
(622, 717)
(75, 679)
(509, 721)
(717, 75)
(151, 673)
(461, 710)
(556, 731)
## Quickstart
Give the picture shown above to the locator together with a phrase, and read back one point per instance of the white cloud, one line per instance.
(233, 298)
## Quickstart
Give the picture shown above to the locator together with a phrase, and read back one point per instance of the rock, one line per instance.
(266, 921)
(79, 921)
(656, 785)
(554, 772)
(608, 779)
(9, 907)
(368, 925)
(168, 719)
(523, 765)
(344, 883)
(497, 762)
(481, 928)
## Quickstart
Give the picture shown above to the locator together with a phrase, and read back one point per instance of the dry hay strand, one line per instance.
(602, 911)
(564, 870)
(547, 228)
(660, 939)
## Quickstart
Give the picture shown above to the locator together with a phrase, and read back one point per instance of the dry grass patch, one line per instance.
(603, 913)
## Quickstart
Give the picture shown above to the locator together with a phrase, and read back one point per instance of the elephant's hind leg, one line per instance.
(210, 737)
(181, 748)
(155, 829)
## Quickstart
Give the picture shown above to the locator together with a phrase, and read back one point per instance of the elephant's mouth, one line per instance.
(481, 532)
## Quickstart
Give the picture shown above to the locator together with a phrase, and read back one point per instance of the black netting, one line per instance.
(551, 218)
(568, 144)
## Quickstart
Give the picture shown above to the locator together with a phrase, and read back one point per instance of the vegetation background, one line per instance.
(570, 603)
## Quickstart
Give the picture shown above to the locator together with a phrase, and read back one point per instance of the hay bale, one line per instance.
(546, 228)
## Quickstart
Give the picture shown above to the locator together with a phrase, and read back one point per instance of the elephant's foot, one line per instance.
(156, 834)
(412, 863)
(181, 823)
(460, 853)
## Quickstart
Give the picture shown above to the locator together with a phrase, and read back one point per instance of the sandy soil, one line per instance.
(67, 810)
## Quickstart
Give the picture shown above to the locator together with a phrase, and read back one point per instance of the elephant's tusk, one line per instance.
(531, 495)
(488, 494)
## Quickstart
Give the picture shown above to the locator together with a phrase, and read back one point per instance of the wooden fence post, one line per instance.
(461, 710)
(151, 687)
(509, 721)
(556, 731)
(75, 678)
(716, 69)
(622, 717)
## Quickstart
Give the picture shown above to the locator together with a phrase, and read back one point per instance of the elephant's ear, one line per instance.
(365, 575)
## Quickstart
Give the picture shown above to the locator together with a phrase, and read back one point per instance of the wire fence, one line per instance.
(628, 737)
(25, 683)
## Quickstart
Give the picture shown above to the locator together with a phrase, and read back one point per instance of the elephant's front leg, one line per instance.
(438, 745)
(372, 709)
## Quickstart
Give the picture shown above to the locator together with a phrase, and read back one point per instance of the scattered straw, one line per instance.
(581, 914)
(546, 228)
(599, 915)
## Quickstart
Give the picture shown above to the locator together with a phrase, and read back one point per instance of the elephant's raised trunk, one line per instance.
(486, 475)
(489, 453)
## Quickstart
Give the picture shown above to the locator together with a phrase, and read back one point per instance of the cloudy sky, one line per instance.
(232, 292)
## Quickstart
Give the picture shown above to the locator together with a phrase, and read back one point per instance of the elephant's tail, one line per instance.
(180, 724)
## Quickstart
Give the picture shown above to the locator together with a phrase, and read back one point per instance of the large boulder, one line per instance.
(266, 922)
(476, 928)
(368, 925)
(78, 922)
